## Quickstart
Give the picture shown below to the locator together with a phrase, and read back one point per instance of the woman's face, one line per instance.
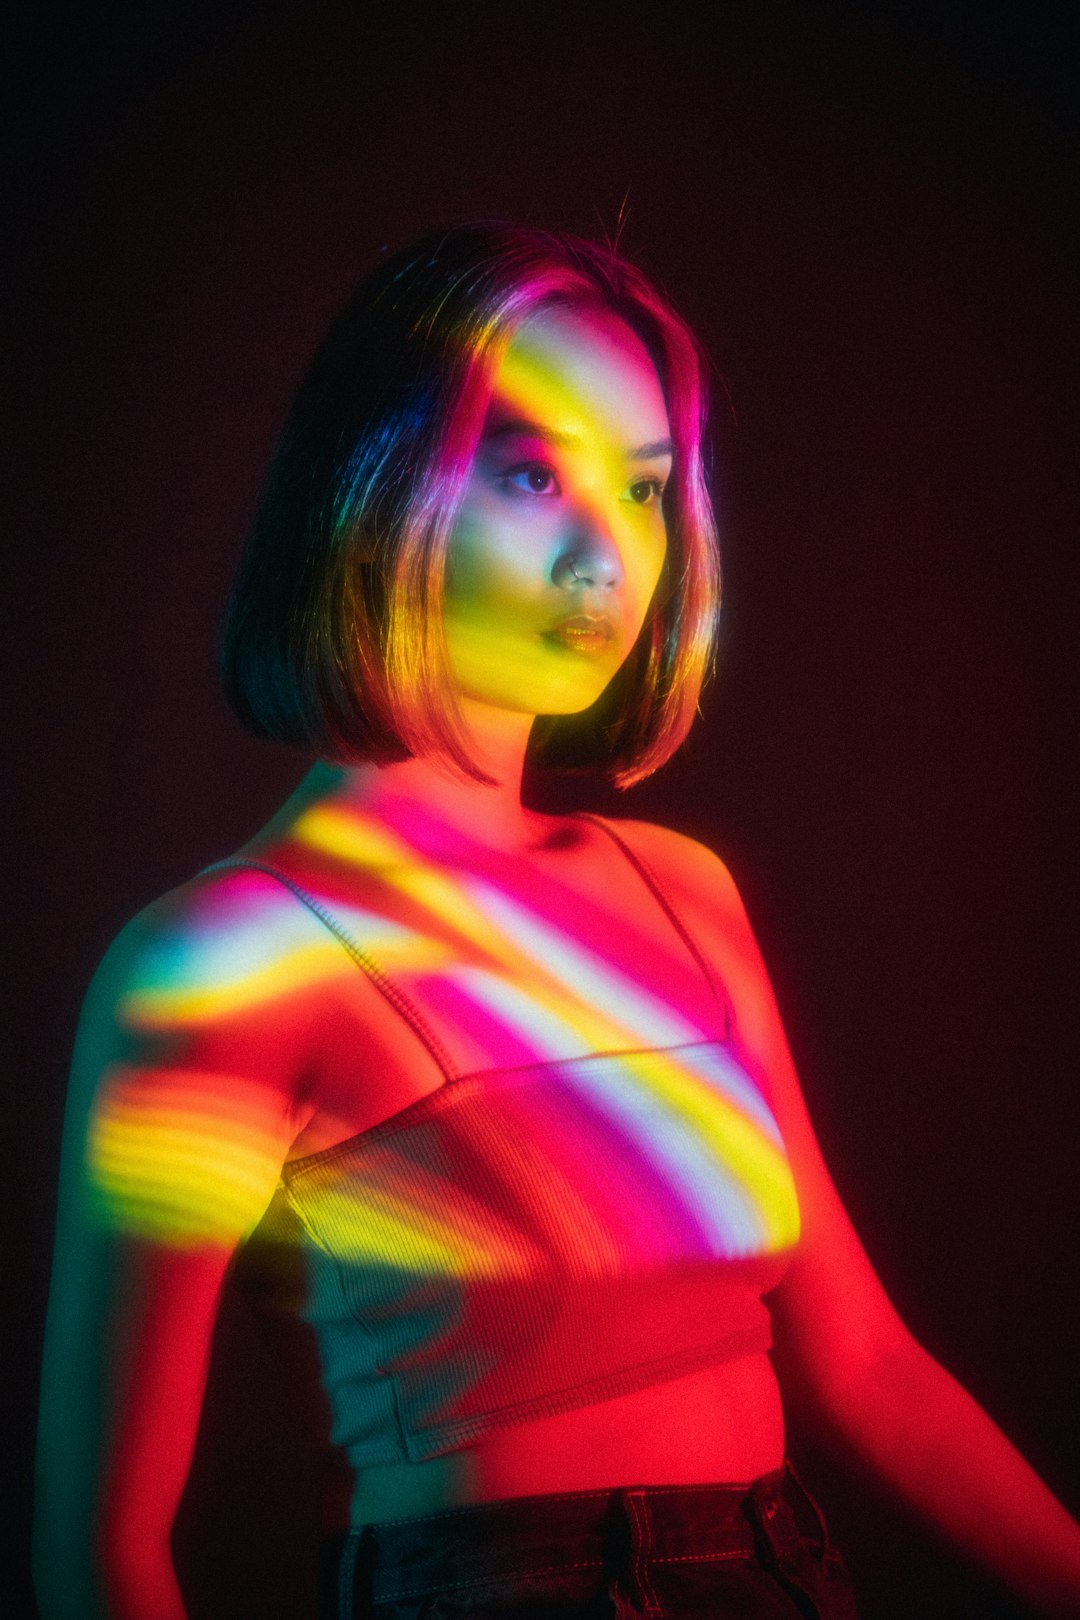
(561, 536)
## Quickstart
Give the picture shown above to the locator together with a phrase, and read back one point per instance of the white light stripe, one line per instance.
(590, 979)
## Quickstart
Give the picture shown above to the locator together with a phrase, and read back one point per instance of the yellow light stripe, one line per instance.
(387, 1229)
(294, 971)
(355, 839)
(183, 1165)
(737, 1141)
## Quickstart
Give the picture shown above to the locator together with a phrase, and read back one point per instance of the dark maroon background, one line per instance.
(869, 214)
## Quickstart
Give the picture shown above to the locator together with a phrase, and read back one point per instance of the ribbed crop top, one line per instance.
(533, 1238)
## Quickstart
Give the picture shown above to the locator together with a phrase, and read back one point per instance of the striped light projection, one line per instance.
(700, 1160)
(187, 1162)
(576, 406)
(527, 1232)
(503, 975)
(591, 1170)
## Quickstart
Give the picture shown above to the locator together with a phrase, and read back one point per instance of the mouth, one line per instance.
(584, 633)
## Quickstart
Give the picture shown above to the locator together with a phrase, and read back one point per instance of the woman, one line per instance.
(494, 1107)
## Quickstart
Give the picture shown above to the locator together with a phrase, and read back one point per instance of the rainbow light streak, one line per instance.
(185, 1159)
(444, 899)
(550, 1031)
(383, 1219)
(189, 1151)
(698, 1177)
(608, 1008)
(710, 1140)
(595, 402)
(613, 995)
(536, 386)
(257, 951)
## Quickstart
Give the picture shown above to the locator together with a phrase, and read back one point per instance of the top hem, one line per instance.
(424, 1444)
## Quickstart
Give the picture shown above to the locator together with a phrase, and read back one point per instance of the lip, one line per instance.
(584, 632)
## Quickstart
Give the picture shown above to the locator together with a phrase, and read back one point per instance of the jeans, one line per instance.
(654, 1552)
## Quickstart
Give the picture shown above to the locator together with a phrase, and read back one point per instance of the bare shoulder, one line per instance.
(692, 874)
(226, 934)
(663, 846)
(697, 882)
(228, 971)
(192, 1069)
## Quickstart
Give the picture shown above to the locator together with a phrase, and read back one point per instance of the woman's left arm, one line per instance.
(861, 1371)
(901, 1413)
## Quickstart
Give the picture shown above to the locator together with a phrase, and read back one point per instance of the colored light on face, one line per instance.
(561, 535)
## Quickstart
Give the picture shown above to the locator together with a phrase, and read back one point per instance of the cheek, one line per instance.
(492, 562)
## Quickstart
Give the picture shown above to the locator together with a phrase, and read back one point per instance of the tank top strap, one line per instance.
(390, 991)
(652, 883)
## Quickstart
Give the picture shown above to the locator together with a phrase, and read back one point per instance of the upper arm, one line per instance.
(832, 1318)
(187, 1088)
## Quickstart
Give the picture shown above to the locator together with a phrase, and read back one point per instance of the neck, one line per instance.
(489, 813)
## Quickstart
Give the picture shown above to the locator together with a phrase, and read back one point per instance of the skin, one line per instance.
(547, 531)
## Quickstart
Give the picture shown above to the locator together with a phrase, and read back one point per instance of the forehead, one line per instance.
(575, 369)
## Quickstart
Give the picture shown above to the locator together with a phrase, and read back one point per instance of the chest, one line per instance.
(478, 965)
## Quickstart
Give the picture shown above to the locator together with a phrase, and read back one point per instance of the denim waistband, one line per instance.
(618, 1528)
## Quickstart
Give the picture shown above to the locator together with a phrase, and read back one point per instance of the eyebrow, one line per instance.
(571, 441)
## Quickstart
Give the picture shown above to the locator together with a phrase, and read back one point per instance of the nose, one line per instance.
(593, 562)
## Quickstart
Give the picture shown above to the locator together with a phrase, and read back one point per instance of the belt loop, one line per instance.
(636, 1508)
(761, 1505)
(354, 1564)
(789, 1470)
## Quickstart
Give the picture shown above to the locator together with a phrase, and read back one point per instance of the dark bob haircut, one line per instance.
(333, 638)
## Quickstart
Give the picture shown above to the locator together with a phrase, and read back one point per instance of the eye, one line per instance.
(646, 492)
(534, 478)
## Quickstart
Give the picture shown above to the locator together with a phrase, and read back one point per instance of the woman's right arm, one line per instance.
(186, 1092)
